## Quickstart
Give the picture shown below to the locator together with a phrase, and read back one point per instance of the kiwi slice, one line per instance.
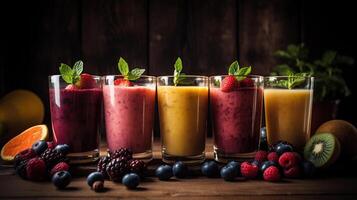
(322, 150)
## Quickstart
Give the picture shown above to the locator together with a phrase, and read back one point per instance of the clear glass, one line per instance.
(75, 117)
(183, 118)
(236, 118)
(129, 115)
(288, 111)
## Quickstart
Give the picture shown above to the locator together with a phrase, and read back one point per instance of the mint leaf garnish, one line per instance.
(71, 75)
(292, 81)
(129, 75)
(178, 77)
(239, 73)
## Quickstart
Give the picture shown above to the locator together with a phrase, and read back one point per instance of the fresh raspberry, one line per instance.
(87, 81)
(71, 87)
(36, 169)
(288, 160)
(229, 83)
(273, 156)
(247, 82)
(293, 172)
(50, 145)
(123, 82)
(272, 173)
(248, 170)
(24, 155)
(261, 156)
(62, 166)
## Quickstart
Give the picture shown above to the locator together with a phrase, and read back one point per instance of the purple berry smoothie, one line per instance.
(129, 117)
(236, 119)
(76, 116)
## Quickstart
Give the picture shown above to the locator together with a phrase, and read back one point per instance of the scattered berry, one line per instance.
(248, 170)
(123, 82)
(179, 169)
(52, 157)
(94, 177)
(137, 166)
(61, 166)
(293, 172)
(267, 164)
(39, 147)
(288, 159)
(229, 83)
(102, 165)
(272, 173)
(122, 152)
(261, 156)
(164, 172)
(256, 163)
(116, 169)
(98, 186)
(131, 181)
(228, 173)
(61, 179)
(36, 169)
(309, 169)
(210, 169)
(281, 148)
(236, 166)
(273, 156)
(62, 148)
(24, 155)
(20, 169)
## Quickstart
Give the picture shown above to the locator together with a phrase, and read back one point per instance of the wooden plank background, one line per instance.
(208, 34)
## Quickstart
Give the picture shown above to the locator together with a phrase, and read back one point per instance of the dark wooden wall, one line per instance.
(36, 36)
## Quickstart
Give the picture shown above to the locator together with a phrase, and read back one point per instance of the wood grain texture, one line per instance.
(111, 29)
(264, 27)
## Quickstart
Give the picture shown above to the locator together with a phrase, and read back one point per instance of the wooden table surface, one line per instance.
(328, 186)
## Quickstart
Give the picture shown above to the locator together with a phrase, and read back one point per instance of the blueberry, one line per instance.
(282, 148)
(256, 163)
(93, 177)
(309, 169)
(39, 147)
(63, 148)
(267, 164)
(210, 169)
(235, 165)
(164, 172)
(61, 179)
(228, 172)
(131, 180)
(179, 169)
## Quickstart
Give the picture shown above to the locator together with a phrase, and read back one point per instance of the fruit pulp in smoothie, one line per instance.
(76, 116)
(236, 118)
(183, 119)
(129, 117)
(288, 115)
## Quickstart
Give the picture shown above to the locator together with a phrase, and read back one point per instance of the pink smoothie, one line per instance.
(236, 119)
(129, 115)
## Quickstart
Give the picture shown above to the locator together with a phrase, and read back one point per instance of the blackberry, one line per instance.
(24, 155)
(122, 152)
(117, 168)
(137, 166)
(52, 157)
(102, 165)
(20, 169)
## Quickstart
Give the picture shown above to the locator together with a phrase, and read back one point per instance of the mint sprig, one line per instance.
(132, 75)
(239, 73)
(71, 75)
(292, 81)
(178, 76)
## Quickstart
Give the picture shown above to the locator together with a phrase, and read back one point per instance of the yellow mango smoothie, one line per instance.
(183, 119)
(288, 115)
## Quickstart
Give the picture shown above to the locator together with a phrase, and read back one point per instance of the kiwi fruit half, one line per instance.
(322, 150)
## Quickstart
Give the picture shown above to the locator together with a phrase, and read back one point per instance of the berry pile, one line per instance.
(120, 166)
(44, 161)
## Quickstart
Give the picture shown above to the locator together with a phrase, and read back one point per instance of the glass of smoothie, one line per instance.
(236, 115)
(183, 104)
(288, 105)
(129, 114)
(75, 104)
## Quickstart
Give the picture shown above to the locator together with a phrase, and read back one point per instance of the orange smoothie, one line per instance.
(183, 119)
(288, 115)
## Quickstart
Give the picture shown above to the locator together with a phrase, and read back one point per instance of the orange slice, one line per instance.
(23, 141)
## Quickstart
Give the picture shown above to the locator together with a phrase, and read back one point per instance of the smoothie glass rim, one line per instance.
(249, 76)
(58, 75)
(187, 76)
(267, 77)
(142, 76)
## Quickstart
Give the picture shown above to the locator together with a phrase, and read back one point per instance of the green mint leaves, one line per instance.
(178, 76)
(132, 75)
(292, 81)
(71, 75)
(239, 73)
